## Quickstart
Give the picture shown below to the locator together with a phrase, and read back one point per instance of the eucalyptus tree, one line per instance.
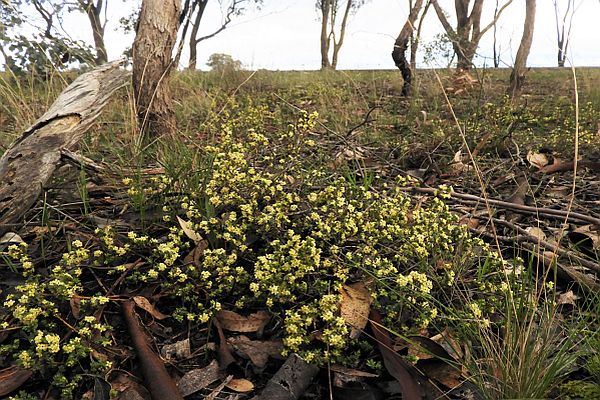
(155, 38)
(468, 32)
(41, 49)
(193, 14)
(334, 19)
(519, 70)
(564, 22)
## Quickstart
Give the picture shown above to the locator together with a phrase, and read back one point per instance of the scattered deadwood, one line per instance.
(30, 161)
(12, 378)
(291, 381)
(573, 217)
(570, 166)
(160, 385)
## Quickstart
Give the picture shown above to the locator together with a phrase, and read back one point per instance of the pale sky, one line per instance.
(284, 34)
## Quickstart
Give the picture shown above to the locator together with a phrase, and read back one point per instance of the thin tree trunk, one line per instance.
(517, 77)
(401, 44)
(186, 15)
(201, 5)
(414, 45)
(93, 12)
(152, 50)
(325, 11)
(338, 45)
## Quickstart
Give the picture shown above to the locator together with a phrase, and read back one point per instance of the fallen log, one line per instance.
(29, 162)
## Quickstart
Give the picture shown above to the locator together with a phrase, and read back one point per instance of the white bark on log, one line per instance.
(29, 162)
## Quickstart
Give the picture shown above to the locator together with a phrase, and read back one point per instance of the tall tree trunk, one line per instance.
(93, 12)
(338, 45)
(401, 44)
(495, 44)
(152, 51)
(201, 5)
(517, 76)
(185, 16)
(561, 39)
(325, 11)
(414, 44)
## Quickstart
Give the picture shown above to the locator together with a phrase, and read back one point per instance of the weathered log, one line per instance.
(30, 161)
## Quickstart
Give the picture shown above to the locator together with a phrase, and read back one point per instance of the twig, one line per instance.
(469, 198)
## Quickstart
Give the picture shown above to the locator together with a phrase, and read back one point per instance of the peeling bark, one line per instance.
(30, 161)
(152, 62)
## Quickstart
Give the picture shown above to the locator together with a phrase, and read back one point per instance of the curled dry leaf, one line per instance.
(145, 305)
(586, 236)
(178, 350)
(536, 232)
(538, 160)
(458, 166)
(567, 298)
(355, 306)
(187, 229)
(240, 385)
(235, 322)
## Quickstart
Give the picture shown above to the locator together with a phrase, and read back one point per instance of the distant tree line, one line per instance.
(52, 48)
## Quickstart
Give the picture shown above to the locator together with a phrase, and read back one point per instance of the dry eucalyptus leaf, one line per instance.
(235, 322)
(240, 385)
(11, 238)
(256, 350)
(355, 306)
(145, 305)
(75, 302)
(189, 232)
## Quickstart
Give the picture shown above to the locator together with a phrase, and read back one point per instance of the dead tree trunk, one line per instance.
(30, 161)
(152, 61)
(401, 44)
(517, 76)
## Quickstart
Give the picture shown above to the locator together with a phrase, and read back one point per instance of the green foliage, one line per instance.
(44, 51)
(223, 63)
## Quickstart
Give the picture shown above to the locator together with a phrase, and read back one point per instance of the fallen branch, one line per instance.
(158, 381)
(548, 212)
(28, 163)
(291, 381)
